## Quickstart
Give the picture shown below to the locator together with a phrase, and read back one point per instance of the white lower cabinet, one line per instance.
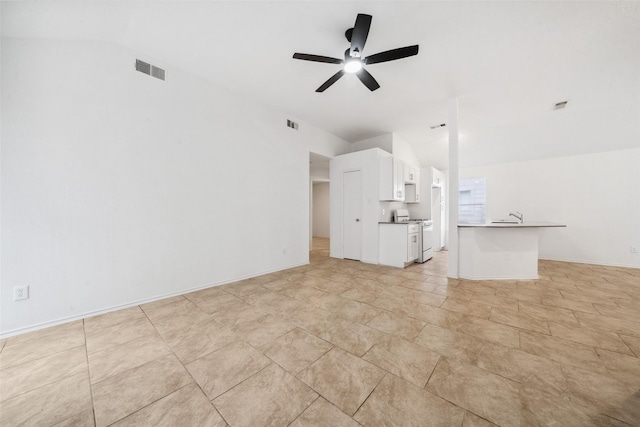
(399, 244)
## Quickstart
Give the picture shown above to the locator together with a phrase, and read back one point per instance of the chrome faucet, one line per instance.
(517, 215)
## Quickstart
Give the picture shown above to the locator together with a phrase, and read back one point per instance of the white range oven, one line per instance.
(425, 252)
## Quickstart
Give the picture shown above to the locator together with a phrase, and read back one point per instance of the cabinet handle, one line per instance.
(357, 219)
(415, 239)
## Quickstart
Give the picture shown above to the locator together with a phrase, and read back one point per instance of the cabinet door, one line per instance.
(412, 246)
(392, 180)
(416, 172)
(399, 181)
(411, 174)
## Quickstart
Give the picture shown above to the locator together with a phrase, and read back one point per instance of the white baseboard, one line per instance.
(581, 261)
(60, 321)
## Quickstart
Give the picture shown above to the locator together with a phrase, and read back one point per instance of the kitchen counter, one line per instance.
(500, 250)
(411, 221)
(512, 225)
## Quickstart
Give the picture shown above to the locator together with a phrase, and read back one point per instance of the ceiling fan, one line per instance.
(353, 61)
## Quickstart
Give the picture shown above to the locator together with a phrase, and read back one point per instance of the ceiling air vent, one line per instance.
(441, 125)
(157, 72)
(292, 124)
(560, 105)
(143, 67)
(149, 69)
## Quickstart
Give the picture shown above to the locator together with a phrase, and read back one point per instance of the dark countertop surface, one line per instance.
(525, 224)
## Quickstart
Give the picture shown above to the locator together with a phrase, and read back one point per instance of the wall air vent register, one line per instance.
(560, 105)
(149, 69)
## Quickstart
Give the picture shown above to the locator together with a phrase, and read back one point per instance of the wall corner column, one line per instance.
(452, 125)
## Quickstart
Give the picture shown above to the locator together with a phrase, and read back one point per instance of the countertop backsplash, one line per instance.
(389, 208)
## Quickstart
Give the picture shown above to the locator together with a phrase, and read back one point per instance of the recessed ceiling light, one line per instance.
(560, 105)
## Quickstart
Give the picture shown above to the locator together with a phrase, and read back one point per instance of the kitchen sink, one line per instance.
(504, 221)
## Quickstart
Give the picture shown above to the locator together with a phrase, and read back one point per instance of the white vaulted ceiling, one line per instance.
(508, 63)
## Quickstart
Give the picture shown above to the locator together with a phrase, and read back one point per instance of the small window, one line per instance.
(472, 201)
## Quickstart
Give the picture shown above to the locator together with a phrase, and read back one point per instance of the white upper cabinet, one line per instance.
(400, 167)
(412, 193)
(391, 179)
(411, 175)
(412, 186)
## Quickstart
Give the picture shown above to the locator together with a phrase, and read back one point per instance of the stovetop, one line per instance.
(425, 222)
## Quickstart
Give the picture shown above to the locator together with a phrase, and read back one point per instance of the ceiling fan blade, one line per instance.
(367, 79)
(391, 55)
(359, 35)
(331, 81)
(317, 58)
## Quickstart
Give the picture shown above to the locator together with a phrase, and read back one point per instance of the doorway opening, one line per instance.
(438, 215)
(319, 208)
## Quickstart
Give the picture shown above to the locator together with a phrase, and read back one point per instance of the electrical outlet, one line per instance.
(20, 292)
(633, 250)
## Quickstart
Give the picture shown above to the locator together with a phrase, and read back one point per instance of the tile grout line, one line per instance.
(457, 405)
(245, 380)
(432, 371)
(183, 367)
(372, 390)
(86, 353)
(135, 367)
(305, 409)
(46, 384)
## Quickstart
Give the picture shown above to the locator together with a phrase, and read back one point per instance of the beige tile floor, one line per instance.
(341, 343)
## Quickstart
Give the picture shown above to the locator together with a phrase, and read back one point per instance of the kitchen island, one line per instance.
(500, 250)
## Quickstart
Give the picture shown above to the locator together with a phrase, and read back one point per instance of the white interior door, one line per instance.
(352, 215)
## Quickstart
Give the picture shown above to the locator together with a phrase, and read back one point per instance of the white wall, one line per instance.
(119, 188)
(383, 142)
(391, 143)
(321, 209)
(596, 195)
(404, 151)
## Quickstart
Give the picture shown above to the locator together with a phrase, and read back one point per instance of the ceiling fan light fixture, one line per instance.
(353, 62)
(353, 66)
